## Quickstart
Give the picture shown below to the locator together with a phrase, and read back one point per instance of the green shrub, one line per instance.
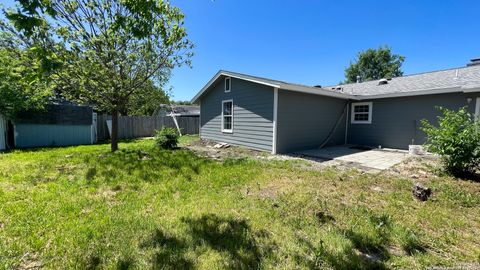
(167, 138)
(456, 139)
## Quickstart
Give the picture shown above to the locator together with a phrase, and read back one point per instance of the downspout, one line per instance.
(275, 112)
(200, 119)
(346, 122)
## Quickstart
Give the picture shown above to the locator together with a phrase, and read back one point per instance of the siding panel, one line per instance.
(396, 121)
(305, 121)
(39, 135)
(252, 114)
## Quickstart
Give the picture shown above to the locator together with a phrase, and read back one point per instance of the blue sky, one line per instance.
(313, 41)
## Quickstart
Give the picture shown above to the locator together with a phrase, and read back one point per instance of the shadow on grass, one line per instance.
(146, 163)
(170, 251)
(368, 247)
(233, 238)
(324, 259)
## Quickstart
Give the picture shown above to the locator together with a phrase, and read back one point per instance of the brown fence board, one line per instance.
(130, 127)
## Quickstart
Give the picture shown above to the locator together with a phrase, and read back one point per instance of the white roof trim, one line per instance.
(316, 91)
(414, 93)
(471, 88)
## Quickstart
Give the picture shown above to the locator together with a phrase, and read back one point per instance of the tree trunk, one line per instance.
(114, 141)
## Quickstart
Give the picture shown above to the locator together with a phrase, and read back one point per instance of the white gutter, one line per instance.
(413, 93)
(471, 88)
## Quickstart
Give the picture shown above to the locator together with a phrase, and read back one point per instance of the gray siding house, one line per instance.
(281, 117)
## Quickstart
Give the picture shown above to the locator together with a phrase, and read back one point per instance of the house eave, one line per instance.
(284, 86)
(323, 92)
(414, 93)
(228, 74)
(471, 88)
(319, 91)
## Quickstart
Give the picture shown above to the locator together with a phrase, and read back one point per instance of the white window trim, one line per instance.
(370, 106)
(227, 130)
(229, 84)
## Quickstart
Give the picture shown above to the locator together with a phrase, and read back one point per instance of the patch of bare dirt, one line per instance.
(422, 167)
(216, 151)
(282, 185)
(29, 261)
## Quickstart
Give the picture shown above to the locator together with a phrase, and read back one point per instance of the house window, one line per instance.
(362, 113)
(227, 116)
(228, 84)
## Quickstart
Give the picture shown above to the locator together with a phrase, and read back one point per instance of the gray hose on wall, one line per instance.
(335, 127)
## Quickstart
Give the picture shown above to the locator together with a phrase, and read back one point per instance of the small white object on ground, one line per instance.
(221, 145)
(416, 150)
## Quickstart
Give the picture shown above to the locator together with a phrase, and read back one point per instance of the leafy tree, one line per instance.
(146, 101)
(374, 64)
(456, 139)
(110, 51)
(21, 85)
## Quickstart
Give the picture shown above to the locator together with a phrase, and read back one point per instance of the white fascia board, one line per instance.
(414, 93)
(317, 91)
(471, 88)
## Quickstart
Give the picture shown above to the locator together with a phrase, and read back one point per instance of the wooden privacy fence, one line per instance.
(130, 127)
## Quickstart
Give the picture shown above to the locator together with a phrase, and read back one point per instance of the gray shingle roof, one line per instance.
(451, 78)
(444, 81)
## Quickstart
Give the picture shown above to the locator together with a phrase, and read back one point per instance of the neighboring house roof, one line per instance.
(464, 79)
(183, 110)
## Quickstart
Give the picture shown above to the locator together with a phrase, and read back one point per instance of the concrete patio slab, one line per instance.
(378, 159)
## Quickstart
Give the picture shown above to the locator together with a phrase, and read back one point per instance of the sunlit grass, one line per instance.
(142, 207)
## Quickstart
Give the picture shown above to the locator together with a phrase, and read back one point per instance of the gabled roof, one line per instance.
(272, 83)
(456, 80)
(464, 79)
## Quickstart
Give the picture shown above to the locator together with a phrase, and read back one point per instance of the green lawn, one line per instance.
(141, 207)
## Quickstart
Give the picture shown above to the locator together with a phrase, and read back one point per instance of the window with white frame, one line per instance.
(228, 84)
(227, 116)
(362, 113)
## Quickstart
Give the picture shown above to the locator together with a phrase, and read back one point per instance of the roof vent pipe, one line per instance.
(382, 81)
(474, 62)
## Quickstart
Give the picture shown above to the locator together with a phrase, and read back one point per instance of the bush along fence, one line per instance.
(130, 127)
